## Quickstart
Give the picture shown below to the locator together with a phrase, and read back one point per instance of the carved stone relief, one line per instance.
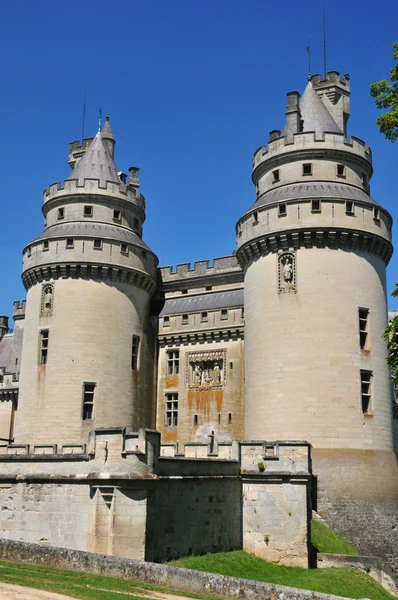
(286, 272)
(47, 300)
(205, 370)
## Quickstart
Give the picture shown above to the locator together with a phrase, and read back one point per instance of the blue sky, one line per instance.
(192, 88)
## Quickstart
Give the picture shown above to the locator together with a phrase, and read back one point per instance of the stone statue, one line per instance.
(48, 298)
(216, 374)
(197, 375)
(288, 271)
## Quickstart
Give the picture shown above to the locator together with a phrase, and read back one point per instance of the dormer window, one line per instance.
(61, 213)
(275, 176)
(340, 171)
(307, 169)
(88, 211)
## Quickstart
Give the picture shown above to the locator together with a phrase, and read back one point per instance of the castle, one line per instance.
(125, 387)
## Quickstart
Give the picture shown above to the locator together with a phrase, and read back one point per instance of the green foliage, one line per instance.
(347, 582)
(391, 336)
(326, 540)
(385, 94)
(261, 467)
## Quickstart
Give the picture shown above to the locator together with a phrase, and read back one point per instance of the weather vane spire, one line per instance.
(100, 118)
(309, 57)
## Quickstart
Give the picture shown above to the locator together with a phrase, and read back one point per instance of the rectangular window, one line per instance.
(185, 319)
(117, 215)
(255, 217)
(98, 244)
(275, 176)
(46, 245)
(88, 400)
(366, 382)
(173, 362)
(224, 314)
(166, 321)
(208, 288)
(204, 317)
(340, 171)
(376, 214)
(316, 206)
(307, 169)
(349, 207)
(44, 335)
(135, 348)
(195, 420)
(172, 409)
(88, 211)
(282, 209)
(364, 180)
(69, 243)
(124, 248)
(184, 291)
(363, 314)
(61, 213)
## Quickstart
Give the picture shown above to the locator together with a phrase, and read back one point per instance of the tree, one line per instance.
(391, 335)
(385, 94)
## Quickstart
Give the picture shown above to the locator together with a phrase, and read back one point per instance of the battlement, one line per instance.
(332, 77)
(19, 309)
(92, 186)
(202, 268)
(308, 141)
(77, 149)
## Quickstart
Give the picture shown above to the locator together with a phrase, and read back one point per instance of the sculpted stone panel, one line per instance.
(286, 272)
(205, 370)
(47, 300)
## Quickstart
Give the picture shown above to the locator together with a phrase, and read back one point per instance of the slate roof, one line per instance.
(6, 346)
(316, 189)
(315, 115)
(96, 163)
(92, 230)
(203, 302)
(106, 132)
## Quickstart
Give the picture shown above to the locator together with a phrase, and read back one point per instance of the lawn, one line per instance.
(326, 540)
(348, 582)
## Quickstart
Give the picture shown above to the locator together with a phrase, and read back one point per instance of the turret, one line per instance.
(87, 354)
(3, 326)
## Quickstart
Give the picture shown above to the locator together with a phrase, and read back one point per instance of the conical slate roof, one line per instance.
(96, 163)
(107, 131)
(315, 115)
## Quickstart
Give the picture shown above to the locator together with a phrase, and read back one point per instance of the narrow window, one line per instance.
(376, 213)
(366, 381)
(46, 245)
(88, 211)
(61, 213)
(242, 312)
(275, 176)
(173, 362)
(231, 364)
(364, 180)
(172, 409)
(340, 171)
(144, 254)
(136, 224)
(204, 317)
(88, 400)
(29, 251)
(208, 288)
(316, 206)
(166, 321)
(349, 207)
(282, 209)
(363, 314)
(184, 291)
(123, 248)
(135, 348)
(307, 169)
(224, 314)
(69, 243)
(44, 335)
(98, 244)
(195, 420)
(229, 418)
(117, 215)
(185, 319)
(255, 217)
(219, 418)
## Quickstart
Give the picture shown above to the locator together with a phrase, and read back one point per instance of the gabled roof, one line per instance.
(96, 163)
(315, 115)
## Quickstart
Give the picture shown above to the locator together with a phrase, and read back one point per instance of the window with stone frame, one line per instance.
(363, 314)
(135, 349)
(366, 391)
(172, 409)
(88, 400)
(173, 362)
(43, 350)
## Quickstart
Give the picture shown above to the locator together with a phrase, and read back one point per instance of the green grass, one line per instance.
(348, 582)
(81, 585)
(325, 540)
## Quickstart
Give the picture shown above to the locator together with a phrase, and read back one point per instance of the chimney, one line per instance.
(3, 326)
(293, 115)
(133, 178)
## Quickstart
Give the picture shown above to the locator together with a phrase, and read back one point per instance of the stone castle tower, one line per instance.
(89, 279)
(314, 249)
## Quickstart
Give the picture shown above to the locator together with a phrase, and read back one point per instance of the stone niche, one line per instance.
(205, 370)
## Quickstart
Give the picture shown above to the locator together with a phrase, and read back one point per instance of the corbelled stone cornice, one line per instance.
(320, 237)
(89, 270)
(200, 337)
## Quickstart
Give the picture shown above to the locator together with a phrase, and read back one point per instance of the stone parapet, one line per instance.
(224, 269)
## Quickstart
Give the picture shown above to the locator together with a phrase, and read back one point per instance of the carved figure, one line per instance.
(48, 298)
(288, 271)
(216, 374)
(197, 375)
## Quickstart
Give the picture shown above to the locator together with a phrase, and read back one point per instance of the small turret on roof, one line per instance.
(314, 114)
(96, 163)
(108, 137)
